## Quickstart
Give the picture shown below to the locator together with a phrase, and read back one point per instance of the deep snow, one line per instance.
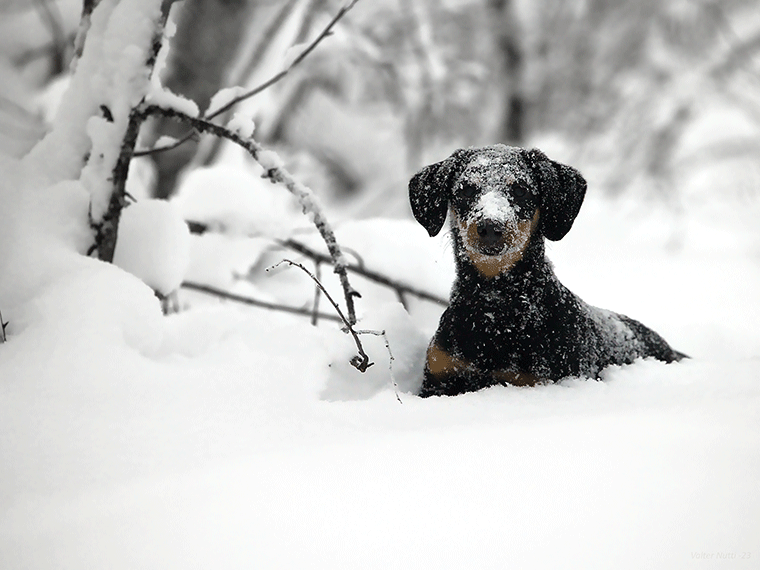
(230, 437)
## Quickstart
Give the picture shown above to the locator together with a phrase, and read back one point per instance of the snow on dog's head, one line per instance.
(494, 209)
(497, 197)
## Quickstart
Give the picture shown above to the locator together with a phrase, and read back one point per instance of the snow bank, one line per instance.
(237, 438)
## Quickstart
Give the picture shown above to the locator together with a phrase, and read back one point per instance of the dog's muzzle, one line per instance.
(491, 237)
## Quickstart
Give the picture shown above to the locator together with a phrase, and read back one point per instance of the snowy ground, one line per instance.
(229, 437)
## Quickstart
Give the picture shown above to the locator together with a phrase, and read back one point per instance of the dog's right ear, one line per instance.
(430, 190)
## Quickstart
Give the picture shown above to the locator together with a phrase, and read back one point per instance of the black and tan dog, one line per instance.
(510, 320)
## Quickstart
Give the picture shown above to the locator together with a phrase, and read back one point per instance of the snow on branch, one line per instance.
(301, 52)
(275, 171)
(231, 96)
(94, 132)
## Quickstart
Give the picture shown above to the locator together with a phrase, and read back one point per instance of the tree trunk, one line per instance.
(209, 34)
(511, 128)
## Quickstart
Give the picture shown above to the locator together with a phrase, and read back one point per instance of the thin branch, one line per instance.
(254, 302)
(280, 175)
(317, 295)
(361, 361)
(106, 229)
(327, 31)
(391, 358)
(400, 288)
(88, 6)
(301, 56)
(3, 324)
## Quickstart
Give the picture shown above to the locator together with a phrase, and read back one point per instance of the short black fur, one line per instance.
(522, 320)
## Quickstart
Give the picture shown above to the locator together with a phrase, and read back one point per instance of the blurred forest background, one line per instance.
(644, 96)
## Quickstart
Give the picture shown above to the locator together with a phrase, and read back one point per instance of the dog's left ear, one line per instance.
(562, 191)
(430, 190)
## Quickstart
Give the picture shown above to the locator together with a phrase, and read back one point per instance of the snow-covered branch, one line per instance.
(238, 94)
(95, 130)
(301, 55)
(275, 171)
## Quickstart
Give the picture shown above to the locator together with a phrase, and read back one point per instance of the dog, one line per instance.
(510, 321)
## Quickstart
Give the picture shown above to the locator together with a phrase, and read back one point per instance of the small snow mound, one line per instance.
(407, 344)
(224, 97)
(242, 124)
(237, 203)
(154, 244)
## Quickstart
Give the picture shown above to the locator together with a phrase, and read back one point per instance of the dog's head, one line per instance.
(499, 197)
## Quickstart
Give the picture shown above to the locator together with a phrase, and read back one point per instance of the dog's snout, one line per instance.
(489, 231)
(490, 236)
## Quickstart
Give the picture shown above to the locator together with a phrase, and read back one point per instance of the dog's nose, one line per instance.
(490, 235)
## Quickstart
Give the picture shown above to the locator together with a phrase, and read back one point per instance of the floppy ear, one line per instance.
(430, 190)
(562, 190)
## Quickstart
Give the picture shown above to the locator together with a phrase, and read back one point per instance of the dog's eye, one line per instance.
(469, 189)
(519, 191)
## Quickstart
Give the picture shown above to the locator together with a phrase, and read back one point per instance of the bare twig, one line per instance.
(327, 31)
(317, 292)
(361, 361)
(254, 302)
(3, 324)
(391, 358)
(301, 56)
(400, 288)
(277, 174)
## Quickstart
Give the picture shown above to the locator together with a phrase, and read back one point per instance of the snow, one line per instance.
(242, 124)
(157, 94)
(231, 437)
(223, 97)
(238, 202)
(154, 244)
(239, 438)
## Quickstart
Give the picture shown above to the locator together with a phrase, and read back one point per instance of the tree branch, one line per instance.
(255, 302)
(327, 31)
(3, 324)
(276, 173)
(277, 77)
(361, 361)
(400, 288)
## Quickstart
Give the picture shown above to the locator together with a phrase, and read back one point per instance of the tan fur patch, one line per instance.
(493, 265)
(516, 378)
(441, 363)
